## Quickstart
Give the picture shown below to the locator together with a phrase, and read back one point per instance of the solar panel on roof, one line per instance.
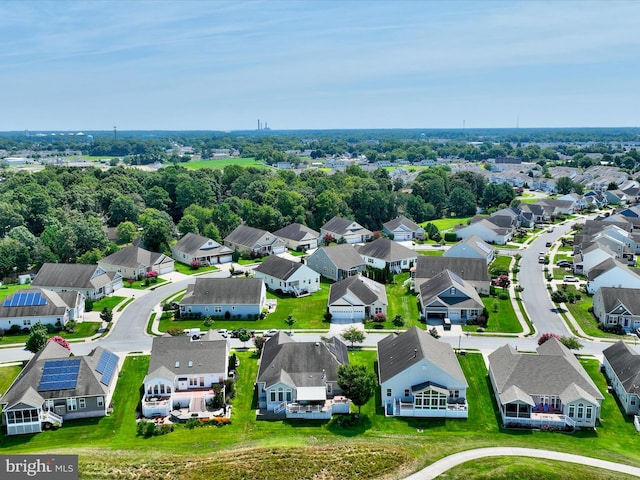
(457, 278)
(59, 375)
(22, 299)
(103, 361)
(109, 369)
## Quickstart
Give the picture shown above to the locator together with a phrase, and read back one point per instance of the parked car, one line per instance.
(548, 244)
(270, 333)
(223, 333)
(570, 278)
(564, 264)
(638, 331)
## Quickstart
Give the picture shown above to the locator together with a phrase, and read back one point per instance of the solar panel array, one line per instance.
(59, 375)
(31, 299)
(107, 366)
(457, 278)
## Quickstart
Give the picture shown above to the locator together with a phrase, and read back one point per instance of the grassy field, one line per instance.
(430, 253)
(580, 311)
(500, 262)
(110, 302)
(378, 447)
(187, 270)
(223, 162)
(10, 289)
(401, 302)
(448, 223)
(503, 321)
(82, 330)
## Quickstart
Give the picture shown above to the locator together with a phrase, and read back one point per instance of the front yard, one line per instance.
(502, 317)
(377, 445)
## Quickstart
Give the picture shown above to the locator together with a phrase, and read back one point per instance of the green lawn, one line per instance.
(109, 447)
(580, 311)
(500, 262)
(7, 376)
(448, 223)
(82, 330)
(502, 321)
(223, 162)
(110, 302)
(430, 253)
(140, 284)
(10, 289)
(187, 270)
(401, 302)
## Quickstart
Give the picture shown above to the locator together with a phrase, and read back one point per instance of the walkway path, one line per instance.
(441, 466)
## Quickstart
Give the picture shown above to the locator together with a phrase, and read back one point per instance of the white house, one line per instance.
(617, 306)
(246, 239)
(25, 308)
(356, 298)
(591, 256)
(299, 379)
(612, 273)
(288, 276)
(298, 237)
(420, 377)
(472, 247)
(385, 253)
(135, 262)
(91, 280)
(448, 295)
(192, 247)
(403, 229)
(622, 367)
(182, 372)
(487, 231)
(350, 231)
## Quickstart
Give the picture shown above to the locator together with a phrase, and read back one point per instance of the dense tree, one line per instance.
(564, 185)
(357, 383)
(37, 338)
(462, 202)
(122, 209)
(126, 232)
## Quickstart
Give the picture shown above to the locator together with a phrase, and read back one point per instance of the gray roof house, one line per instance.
(339, 227)
(298, 237)
(247, 239)
(286, 275)
(356, 298)
(550, 388)
(403, 229)
(617, 306)
(612, 273)
(472, 247)
(181, 375)
(385, 253)
(224, 298)
(192, 247)
(25, 308)
(55, 387)
(420, 377)
(91, 280)
(135, 262)
(622, 367)
(299, 379)
(487, 230)
(336, 262)
(472, 270)
(448, 295)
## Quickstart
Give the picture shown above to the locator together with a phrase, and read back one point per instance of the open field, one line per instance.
(10, 288)
(187, 270)
(448, 223)
(82, 330)
(220, 163)
(378, 447)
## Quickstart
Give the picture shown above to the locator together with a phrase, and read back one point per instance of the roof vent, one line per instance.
(177, 364)
(190, 363)
(317, 344)
(415, 352)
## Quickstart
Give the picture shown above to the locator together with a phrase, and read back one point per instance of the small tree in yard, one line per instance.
(558, 296)
(106, 315)
(244, 336)
(547, 336)
(60, 341)
(572, 343)
(37, 338)
(433, 331)
(353, 335)
(290, 321)
(259, 343)
(70, 327)
(357, 383)
(398, 321)
(195, 264)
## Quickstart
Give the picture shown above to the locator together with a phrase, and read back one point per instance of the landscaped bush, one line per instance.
(149, 429)
(503, 296)
(450, 237)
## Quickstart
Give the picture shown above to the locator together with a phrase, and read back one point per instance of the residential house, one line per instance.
(533, 214)
(472, 247)
(420, 377)
(336, 262)
(385, 253)
(612, 273)
(182, 373)
(356, 298)
(550, 388)
(403, 229)
(616, 197)
(596, 198)
(578, 201)
(487, 231)
(27, 307)
(564, 207)
(224, 298)
(343, 228)
(591, 256)
(55, 387)
(92, 281)
(192, 247)
(288, 276)
(136, 262)
(298, 237)
(448, 296)
(254, 241)
(299, 379)
(617, 306)
(472, 270)
(622, 367)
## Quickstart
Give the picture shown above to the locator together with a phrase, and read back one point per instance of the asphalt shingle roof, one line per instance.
(223, 291)
(71, 275)
(386, 249)
(296, 231)
(132, 256)
(470, 269)
(192, 244)
(626, 365)
(277, 267)
(362, 288)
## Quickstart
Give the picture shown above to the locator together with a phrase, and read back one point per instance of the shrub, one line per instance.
(175, 332)
(503, 296)
(380, 317)
(88, 304)
(547, 336)
(450, 237)
(559, 296)
(195, 264)
(434, 332)
(398, 321)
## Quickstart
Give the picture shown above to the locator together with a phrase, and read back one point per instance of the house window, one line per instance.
(233, 307)
(48, 405)
(378, 310)
(202, 381)
(589, 412)
(72, 404)
(329, 388)
(82, 403)
(206, 309)
(633, 400)
(280, 395)
(26, 322)
(454, 393)
(572, 410)
(288, 395)
(388, 392)
(273, 396)
(370, 260)
(406, 392)
(452, 291)
(580, 410)
(193, 382)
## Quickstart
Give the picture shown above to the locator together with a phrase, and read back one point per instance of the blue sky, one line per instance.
(218, 65)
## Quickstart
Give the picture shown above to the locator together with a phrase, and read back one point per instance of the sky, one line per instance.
(222, 65)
